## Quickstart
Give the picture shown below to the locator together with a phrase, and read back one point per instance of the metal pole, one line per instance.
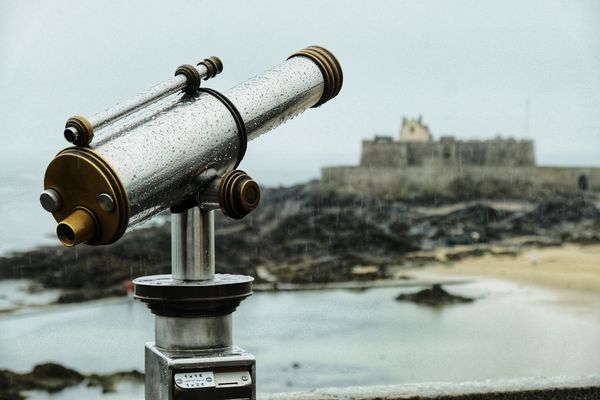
(193, 333)
(193, 245)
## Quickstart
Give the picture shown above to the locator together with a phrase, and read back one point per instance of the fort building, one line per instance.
(417, 165)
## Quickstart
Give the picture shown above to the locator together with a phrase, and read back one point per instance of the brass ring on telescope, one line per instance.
(213, 65)
(80, 176)
(192, 75)
(337, 69)
(85, 130)
(238, 194)
(325, 68)
(331, 69)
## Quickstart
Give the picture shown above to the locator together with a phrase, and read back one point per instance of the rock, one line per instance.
(110, 381)
(54, 371)
(76, 296)
(464, 253)
(305, 234)
(435, 296)
(551, 214)
(472, 224)
(9, 389)
(54, 378)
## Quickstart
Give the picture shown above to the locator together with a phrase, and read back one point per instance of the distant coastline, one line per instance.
(305, 235)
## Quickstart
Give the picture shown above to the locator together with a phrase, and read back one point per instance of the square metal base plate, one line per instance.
(186, 375)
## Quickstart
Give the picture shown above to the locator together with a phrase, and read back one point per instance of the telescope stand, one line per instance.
(193, 356)
(161, 149)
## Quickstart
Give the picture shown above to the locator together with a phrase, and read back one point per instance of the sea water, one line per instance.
(304, 340)
(24, 223)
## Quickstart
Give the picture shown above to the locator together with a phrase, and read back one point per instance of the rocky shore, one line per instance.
(305, 235)
(53, 378)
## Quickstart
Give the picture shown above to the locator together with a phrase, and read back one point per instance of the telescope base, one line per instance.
(170, 297)
(185, 375)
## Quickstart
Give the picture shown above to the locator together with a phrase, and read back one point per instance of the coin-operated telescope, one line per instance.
(177, 146)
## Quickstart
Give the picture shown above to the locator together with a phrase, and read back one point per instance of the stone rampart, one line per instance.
(385, 152)
(462, 182)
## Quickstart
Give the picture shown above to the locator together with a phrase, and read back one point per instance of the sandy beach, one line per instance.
(569, 267)
(571, 272)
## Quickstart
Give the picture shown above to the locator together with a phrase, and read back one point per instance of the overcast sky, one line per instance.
(467, 66)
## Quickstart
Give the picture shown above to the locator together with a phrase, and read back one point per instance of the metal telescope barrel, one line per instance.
(80, 131)
(96, 192)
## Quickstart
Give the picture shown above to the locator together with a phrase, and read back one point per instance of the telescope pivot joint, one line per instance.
(235, 193)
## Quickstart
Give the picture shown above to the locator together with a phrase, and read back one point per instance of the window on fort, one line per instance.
(446, 153)
(582, 182)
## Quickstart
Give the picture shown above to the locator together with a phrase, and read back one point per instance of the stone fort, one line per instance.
(418, 166)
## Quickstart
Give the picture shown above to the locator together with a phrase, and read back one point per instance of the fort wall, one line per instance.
(462, 182)
(384, 151)
(417, 166)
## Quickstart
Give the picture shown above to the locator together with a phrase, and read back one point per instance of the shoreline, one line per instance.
(357, 285)
(575, 289)
(422, 276)
(541, 267)
(311, 242)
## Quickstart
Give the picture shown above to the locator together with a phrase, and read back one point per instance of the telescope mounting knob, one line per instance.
(238, 194)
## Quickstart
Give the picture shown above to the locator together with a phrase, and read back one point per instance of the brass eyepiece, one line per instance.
(238, 194)
(79, 131)
(79, 227)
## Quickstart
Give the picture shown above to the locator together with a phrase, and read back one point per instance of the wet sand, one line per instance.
(569, 267)
(572, 272)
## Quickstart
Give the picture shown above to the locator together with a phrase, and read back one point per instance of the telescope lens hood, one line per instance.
(330, 68)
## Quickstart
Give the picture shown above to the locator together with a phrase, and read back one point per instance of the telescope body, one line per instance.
(146, 167)
(158, 162)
